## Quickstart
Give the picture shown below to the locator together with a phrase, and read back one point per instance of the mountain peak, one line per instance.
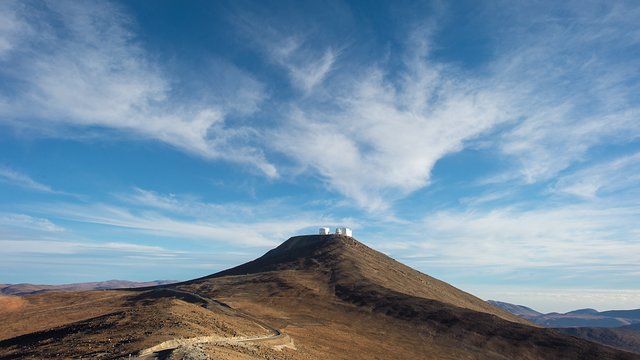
(347, 263)
(519, 310)
(303, 252)
(583, 312)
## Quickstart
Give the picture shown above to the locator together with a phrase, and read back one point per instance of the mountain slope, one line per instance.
(111, 324)
(625, 337)
(351, 262)
(625, 314)
(337, 298)
(313, 297)
(519, 310)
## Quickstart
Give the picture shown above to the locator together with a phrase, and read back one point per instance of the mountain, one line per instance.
(630, 315)
(582, 312)
(353, 266)
(312, 297)
(576, 318)
(518, 310)
(624, 338)
(609, 328)
(30, 289)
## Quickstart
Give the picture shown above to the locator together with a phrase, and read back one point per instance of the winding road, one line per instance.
(208, 303)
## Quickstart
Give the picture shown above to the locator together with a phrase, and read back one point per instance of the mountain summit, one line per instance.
(354, 267)
(339, 298)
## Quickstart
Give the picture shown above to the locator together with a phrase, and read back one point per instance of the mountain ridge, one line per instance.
(584, 323)
(575, 318)
(352, 260)
(22, 289)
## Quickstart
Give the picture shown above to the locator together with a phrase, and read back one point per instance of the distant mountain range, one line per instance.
(30, 289)
(615, 328)
(576, 318)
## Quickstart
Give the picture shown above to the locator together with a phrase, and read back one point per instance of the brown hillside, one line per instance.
(313, 297)
(338, 298)
(350, 262)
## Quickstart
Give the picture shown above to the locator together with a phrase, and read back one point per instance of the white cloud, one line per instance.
(545, 101)
(263, 232)
(85, 68)
(574, 84)
(373, 135)
(487, 197)
(191, 206)
(22, 180)
(379, 133)
(551, 140)
(305, 68)
(379, 139)
(561, 300)
(74, 247)
(306, 63)
(12, 220)
(602, 178)
(577, 236)
(10, 27)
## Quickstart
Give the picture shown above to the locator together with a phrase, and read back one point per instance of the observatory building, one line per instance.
(345, 231)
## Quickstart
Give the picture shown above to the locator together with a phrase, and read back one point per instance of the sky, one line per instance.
(494, 145)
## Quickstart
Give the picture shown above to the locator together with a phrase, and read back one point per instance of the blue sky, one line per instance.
(494, 145)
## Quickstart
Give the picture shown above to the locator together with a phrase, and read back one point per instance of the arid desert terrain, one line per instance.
(312, 297)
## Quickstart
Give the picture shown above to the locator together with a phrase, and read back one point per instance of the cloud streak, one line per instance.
(581, 237)
(602, 179)
(372, 130)
(188, 218)
(305, 69)
(73, 247)
(543, 102)
(23, 221)
(574, 85)
(19, 179)
(379, 139)
(89, 70)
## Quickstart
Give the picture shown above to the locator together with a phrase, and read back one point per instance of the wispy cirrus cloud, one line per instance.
(306, 69)
(186, 217)
(604, 178)
(80, 66)
(20, 179)
(176, 235)
(81, 247)
(580, 236)
(544, 101)
(575, 84)
(189, 206)
(261, 234)
(10, 27)
(379, 139)
(553, 90)
(62, 260)
(23, 221)
(296, 51)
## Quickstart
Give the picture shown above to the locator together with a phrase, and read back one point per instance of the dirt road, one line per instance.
(162, 349)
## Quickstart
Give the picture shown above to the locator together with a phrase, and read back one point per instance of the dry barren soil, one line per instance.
(313, 297)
